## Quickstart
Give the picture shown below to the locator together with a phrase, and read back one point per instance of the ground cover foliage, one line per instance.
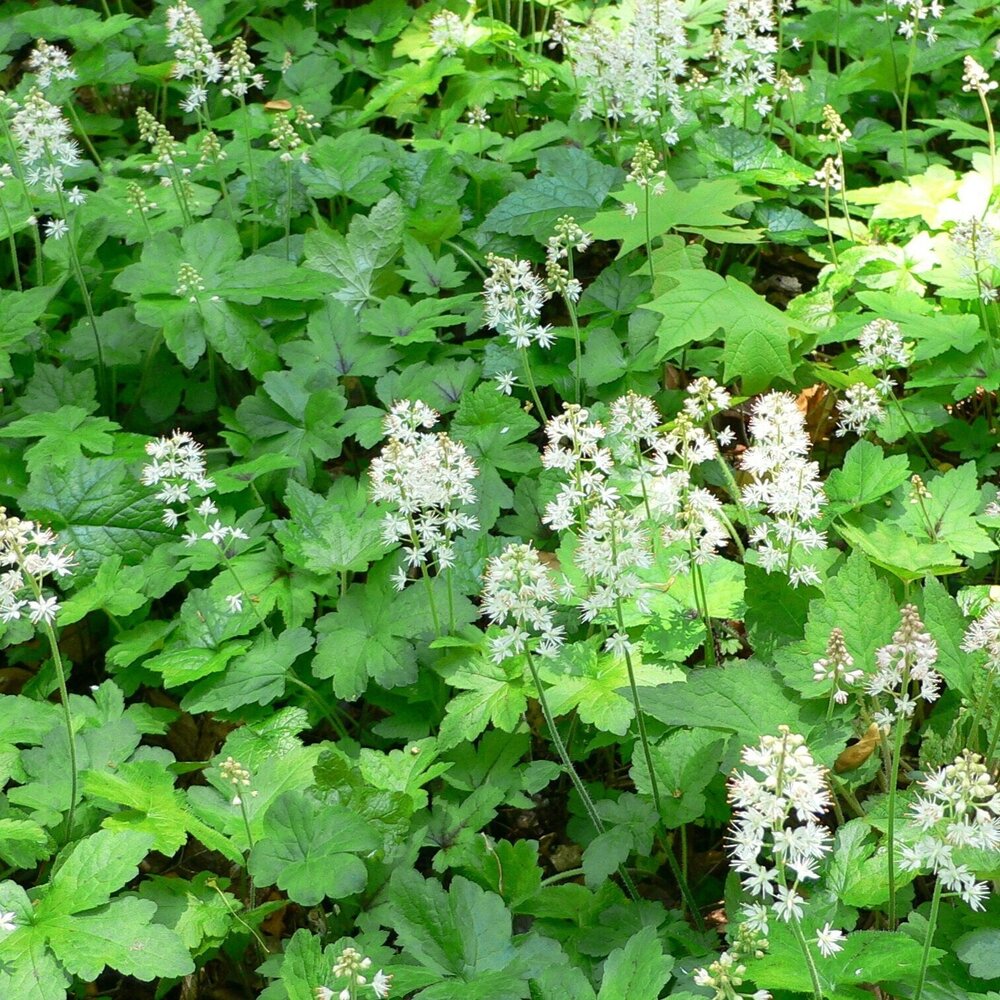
(500, 500)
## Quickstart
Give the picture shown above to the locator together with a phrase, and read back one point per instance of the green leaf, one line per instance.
(19, 315)
(354, 165)
(309, 849)
(757, 335)
(865, 476)
(492, 693)
(429, 275)
(75, 928)
(341, 533)
(857, 602)
(980, 951)
(370, 635)
(371, 243)
(151, 805)
(201, 914)
(570, 181)
(698, 209)
(100, 509)
(116, 588)
(94, 868)
(954, 499)
(746, 699)
(258, 676)
(685, 762)
(946, 623)
(894, 548)
(638, 971)
(335, 346)
(591, 683)
(457, 933)
(121, 935)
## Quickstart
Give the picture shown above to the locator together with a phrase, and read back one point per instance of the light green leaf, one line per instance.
(591, 683)
(746, 699)
(684, 762)
(706, 205)
(865, 476)
(152, 805)
(339, 533)
(492, 693)
(310, 849)
(980, 951)
(638, 971)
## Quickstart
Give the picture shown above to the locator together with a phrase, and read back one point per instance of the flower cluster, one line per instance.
(518, 594)
(50, 62)
(45, 141)
(193, 53)
(836, 667)
(575, 446)
(612, 545)
(976, 78)
(427, 477)
(239, 76)
(959, 808)
(861, 407)
(977, 249)
(178, 463)
(514, 298)
(632, 70)
(786, 485)
(777, 840)
(567, 238)
(728, 972)
(914, 13)
(447, 32)
(27, 556)
(238, 776)
(745, 49)
(353, 967)
(984, 634)
(908, 659)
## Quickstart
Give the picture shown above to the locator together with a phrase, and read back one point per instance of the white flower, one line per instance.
(514, 298)
(959, 807)
(50, 62)
(506, 381)
(192, 50)
(381, 984)
(791, 789)
(235, 602)
(882, 346)
(447, 32)
(908, 659)
(7, 922)
(828, 940)
(428, 479)
(518, 593)
(45, 141)
(43, 609)
(859, 409)
(56, 229)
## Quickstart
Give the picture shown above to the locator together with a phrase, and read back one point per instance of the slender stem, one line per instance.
(890, 832)
(288, 210)
(321, 703)
(12, 243)
(978, 713)
(588, 802)
(529, 378)
(701, 599)
(931, 927)
(807, 954)
(250, 173)
(994, 739)
(67, 719)
(904, 107)
(83, 134)
(689, 900)
(571, 309)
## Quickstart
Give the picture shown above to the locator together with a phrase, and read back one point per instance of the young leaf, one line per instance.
(638, 971)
